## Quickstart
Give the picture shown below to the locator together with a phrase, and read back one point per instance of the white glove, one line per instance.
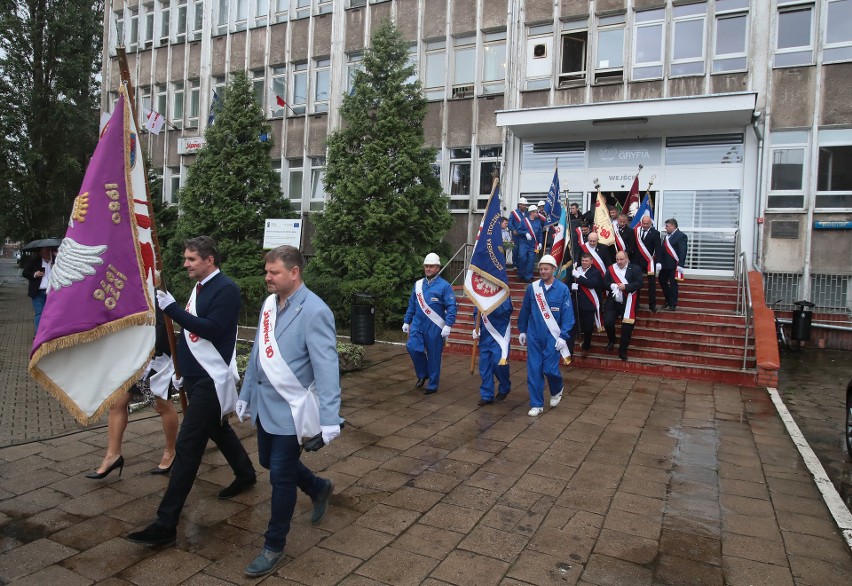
(613, 287)
(659, 266)
(618, 296)
(574, 286)
(164, 299)
(405, 328)
(329, 433)
(474, 334)
(522, 339)
(529, 236)
(561, 345)
(576, 273)
(242, 409)
(445, 332)
(177, 382)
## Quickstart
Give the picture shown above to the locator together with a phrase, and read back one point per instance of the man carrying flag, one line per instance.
(587, 282)
(487, 286)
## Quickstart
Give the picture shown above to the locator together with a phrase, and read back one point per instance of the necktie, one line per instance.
(197, 289)
(643, 234)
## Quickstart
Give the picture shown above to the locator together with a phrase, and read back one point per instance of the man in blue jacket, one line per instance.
(531, 234)
(516, 218)
(428, 322)
(494, 336)
(291, 392)
(545, 323)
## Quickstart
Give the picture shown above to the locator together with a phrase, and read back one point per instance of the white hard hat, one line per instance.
(541, 204)
(532, 209)
(432, 259)
(523, 201)
(548, 259)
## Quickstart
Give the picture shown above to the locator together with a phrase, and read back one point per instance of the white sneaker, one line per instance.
(554, 399)
(535, 411)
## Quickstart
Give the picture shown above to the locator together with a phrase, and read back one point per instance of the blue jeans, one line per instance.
(280, 455)
(38, 306)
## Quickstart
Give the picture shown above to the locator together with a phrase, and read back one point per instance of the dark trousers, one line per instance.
(652, 291)
(669, 286)
(584, 325)
(280, 455)
(612, 312)
(202, 421)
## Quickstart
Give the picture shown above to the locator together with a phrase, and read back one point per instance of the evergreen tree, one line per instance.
(386, 209)
(49, 59)
(230, 190)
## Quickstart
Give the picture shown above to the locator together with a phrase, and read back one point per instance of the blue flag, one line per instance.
(215, 105)
(646, 208)
(485, 282)
(552, 206)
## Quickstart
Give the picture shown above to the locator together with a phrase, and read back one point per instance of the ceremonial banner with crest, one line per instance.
(97, 329)
(485, 282)
(603, 223)
(646, 209)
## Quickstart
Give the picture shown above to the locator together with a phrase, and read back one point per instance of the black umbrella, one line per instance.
(42, 243)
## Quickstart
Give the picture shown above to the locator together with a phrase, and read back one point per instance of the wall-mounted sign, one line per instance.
(625, 153)
(190, 145)
(284, 231)
(833, 225)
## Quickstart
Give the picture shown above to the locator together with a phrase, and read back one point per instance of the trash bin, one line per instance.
(802, 316)
(363, 322)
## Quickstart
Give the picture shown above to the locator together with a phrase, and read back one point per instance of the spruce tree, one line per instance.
(386, 209)
(230, 190)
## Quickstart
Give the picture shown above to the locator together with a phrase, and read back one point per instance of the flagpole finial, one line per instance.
(641, 166)
(651, 182)
(597, 184)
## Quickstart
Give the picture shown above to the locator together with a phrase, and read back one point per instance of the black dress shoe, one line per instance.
(501, 396)
(609, 345)
(430, 391)
(483, 402)
(622, 355)
(119, 463)
(236, 487)
(159, 470)
(672, 307)
(154, 536)
(420, 382)
(653, 308)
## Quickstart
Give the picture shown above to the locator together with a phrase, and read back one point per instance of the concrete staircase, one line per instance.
(703, 340)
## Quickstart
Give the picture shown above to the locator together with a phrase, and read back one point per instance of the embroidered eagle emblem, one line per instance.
(74, 262)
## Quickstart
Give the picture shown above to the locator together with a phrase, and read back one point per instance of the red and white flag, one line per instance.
(154, 122)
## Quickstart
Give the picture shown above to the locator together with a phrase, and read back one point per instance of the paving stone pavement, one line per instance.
(630, 480)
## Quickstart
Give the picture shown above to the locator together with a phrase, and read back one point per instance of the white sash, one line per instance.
(517, 216)
(673, 254)
(593, 297)
(597, 260)
(619, 241)
(161, 380)
(424, 307)
(547, 316)
(643, 250)
(225, 376)
(502, 340)
(303, 402)
(629, 316)
(532, 232)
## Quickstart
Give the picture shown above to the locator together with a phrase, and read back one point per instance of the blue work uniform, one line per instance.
(489, 352)
(526, 248)
(542, 356)
(515, 223)
(425, 343)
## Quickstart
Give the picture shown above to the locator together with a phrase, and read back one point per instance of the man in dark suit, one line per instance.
(671, 259)
(624, 237)
(647, 240)
(587, 284)
(602, 251)
(207, 360)
(624, 280)
(37, 272)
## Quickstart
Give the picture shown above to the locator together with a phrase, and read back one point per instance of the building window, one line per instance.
(194, 103)
(609, 50)
(241, 16)
(303, 8)
(220, 87)
(278, 80)
(494, 63)
(177, 104)
(834, 173)
(715, 150)
(180, 24)
(688, 40)
(282, 9)
(489, 164)
(838, 33)
(730, 48)
(276, 166)
(222, 17)
(261, 12)
(258, 83)
(786, 187)
(149, 26)
(648, 42)
(133, 42)
(145, 105)
(197, 20)
(325, 6)
(299, 99)
(412, 62)
(354, 63)
(322, 77)
(317, 184)
(464, 66)
(794, 41)
(460, 179)
(162, 99)
(174, 185)
(539, 57)
(118, 17)
(295, 177)
(165, 17)
(572, 68)
(436, 70)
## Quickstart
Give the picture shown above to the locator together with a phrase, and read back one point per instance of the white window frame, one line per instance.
(193, 111)
(682, 16)
(197, 20)
(144, 105)
(354, 62)
(299, 72)
(826, 139)
(321, 67)
(735, 61)
(148, 34)
(223, 9)
(435, 55)
(483, 159)
(539, 36)
(241, 15)
(460, 156)
(493, 47)
(282, 10)
(837, 50)
(302, 9)
(260, 12)
(317, 187)
(325, 6)
(133, 37)
(573, 28)
(296, 180)
(653, 69)
(604, 71)
(165, 16)
(118, 27)
(797, 140)
(175, 181)
(799, 55)
(181, 21)
(162, 99)
(464, 80)
(178, 109)
(278, 83)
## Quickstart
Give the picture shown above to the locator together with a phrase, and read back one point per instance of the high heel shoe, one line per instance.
(119, 463)
(159, 470)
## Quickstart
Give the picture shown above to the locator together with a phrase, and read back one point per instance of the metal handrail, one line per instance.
(463, 249)
(745, 299)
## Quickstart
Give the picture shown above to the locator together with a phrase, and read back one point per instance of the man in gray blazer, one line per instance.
(291, 392)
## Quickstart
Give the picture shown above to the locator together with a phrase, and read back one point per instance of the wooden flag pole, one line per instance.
(475, 343)
(170, 331)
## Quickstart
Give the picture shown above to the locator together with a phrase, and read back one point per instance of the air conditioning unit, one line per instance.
(462, 91)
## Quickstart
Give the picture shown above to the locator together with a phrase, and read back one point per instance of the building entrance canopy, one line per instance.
(631, 119)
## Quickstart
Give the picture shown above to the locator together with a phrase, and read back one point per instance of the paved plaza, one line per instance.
(630, 480)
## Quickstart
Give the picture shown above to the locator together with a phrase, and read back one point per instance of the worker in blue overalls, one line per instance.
(531, 234)
(494, 335)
